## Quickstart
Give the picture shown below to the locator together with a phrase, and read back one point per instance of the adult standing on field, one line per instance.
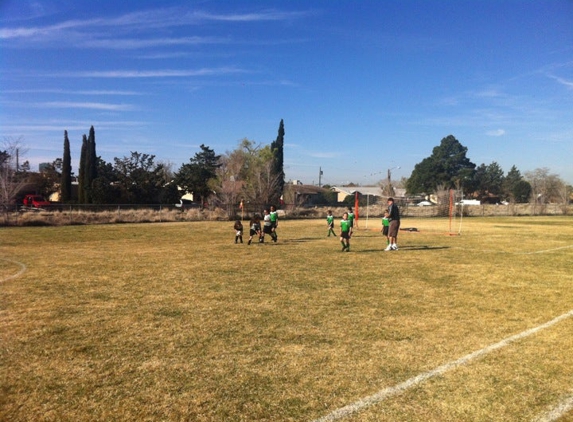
(394, 217)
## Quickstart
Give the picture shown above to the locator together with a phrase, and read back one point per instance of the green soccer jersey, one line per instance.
(351, 218)
(345, 225)
(274, 216)
(330, 219)
(385, 222)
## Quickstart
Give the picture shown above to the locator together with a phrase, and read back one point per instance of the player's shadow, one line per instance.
(299, 240)
(409, 248)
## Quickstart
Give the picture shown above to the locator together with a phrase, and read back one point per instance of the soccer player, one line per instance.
(274, 223)
(330, 223)
(238, 231)
(345, 232)
(267, 226)
(350, 220)
(385, 226)
(255, 228)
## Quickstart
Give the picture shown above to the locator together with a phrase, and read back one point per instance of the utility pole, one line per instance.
(320, 173)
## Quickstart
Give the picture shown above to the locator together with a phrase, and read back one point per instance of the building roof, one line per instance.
(367, 190)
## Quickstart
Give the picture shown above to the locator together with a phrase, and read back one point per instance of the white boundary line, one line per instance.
(546, 250)
(515, 253)
(552, 415)
(399, 388)
(23, 269)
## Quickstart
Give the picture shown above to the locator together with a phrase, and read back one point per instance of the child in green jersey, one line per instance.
(350, 214)
(345, 233)
(330, 223)
(385, 225)
(274, 223)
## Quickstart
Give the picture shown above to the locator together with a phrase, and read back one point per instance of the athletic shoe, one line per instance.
(388, 248)
(395, 247)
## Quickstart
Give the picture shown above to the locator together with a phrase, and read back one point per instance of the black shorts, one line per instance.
(267, 229)
(345, 235)
(252, 232)
(385, 230)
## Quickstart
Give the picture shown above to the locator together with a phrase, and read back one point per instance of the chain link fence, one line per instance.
(129, 213)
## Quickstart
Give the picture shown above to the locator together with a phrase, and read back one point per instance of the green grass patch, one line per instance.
(173, 321)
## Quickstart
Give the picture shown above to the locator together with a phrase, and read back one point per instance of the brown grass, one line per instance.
(175, 322)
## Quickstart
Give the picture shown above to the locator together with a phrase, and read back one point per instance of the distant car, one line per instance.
(186, 204)
(424, 203)
(35, 202)
(469, 202)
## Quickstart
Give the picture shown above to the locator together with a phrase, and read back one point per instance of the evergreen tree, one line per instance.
(512, 178)
(105, 189)
(277, 148)
(489, 179)
(82, 171)
(448, 166)
(66, 182)
(200, 174)
(139, 179)
(91, 166)
(521, 191)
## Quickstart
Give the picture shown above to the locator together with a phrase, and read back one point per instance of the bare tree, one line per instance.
(545, 186)
(12, 180)
(565, 192)
(443, 199)
(246, 174)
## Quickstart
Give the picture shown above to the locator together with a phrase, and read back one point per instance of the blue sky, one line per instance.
(362, 86)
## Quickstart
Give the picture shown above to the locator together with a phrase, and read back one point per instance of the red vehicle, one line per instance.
(35, 201)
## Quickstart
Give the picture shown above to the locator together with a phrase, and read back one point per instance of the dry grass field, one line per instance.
(174, 322)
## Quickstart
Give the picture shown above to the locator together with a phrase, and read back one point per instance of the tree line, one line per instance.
(251, 173)
(448, 167)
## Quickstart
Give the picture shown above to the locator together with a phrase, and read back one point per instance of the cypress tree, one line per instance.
(91, 165)
(277, 147)
(66, 182)
(83, 171)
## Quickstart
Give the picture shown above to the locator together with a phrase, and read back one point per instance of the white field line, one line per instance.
(412, 382)
(23, 268)
(514, 253)
(543, 251)
(552, 415)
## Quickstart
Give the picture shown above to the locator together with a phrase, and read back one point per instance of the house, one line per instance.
(305, 195)
(343, 191)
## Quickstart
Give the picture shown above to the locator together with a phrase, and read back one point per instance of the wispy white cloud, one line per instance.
(144, 20)
(562, 81)
(166, 73)
(324, 154)
(497, 132)
(70, 125)
(71, 92)
(268, 15)
(138, 43)
(86, 105)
